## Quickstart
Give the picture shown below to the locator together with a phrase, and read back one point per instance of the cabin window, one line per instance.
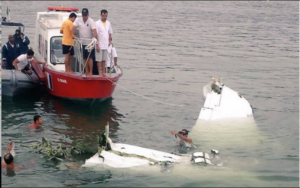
(40, 44)
(46, 50)
(56, 55)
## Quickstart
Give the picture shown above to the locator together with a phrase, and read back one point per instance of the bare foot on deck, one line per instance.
(70, 72)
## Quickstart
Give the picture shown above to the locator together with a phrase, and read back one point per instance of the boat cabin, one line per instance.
(48, 40)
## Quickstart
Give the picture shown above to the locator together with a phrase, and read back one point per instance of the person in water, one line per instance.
(8, 159)
(37, 122)
(215, 86)
(185, 142)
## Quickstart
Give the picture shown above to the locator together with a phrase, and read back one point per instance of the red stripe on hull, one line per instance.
(72, 86)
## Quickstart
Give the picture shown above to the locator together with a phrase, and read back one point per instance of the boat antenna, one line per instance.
(8, 11)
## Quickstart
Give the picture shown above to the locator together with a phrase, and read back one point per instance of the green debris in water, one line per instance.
(59, 152)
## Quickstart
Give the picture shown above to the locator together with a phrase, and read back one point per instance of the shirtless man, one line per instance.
(185, 142)
(37, 122)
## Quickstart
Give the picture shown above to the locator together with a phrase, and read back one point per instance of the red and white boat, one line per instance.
(48, 47)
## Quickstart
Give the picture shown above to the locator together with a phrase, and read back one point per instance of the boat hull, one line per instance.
(79, 88)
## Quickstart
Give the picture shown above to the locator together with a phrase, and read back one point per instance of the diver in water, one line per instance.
(185, 142)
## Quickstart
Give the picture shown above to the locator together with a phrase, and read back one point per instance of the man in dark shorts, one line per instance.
(87, 30)
(68, 41)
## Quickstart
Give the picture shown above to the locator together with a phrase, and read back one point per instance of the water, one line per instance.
(168, 52)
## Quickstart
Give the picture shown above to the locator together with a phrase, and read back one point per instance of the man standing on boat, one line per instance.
(22, 40)
(104, 31)
(87, 30)
(68, 41)
(22, 63)
(10, 51)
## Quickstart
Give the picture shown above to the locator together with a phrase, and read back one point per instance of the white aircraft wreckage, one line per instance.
(223, 102)
(120, 155)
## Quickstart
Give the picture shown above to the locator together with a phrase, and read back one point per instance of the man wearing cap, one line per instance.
(22, 41)
(87, 30)
(184, 142)
(104, 31)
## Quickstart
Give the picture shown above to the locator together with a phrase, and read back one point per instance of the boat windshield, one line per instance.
(56, 55)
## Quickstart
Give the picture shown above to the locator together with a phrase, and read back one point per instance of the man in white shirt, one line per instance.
(112, 57)
(87, 30)
(21, 63)
(104, 31)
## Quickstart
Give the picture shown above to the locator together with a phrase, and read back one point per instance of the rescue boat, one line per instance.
(48, 47)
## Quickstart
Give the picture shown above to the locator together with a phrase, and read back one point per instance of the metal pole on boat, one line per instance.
(8, 12)
(81, 59)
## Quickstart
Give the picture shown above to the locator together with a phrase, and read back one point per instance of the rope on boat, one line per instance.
(78, 51)
(170, 104)
(89, 48)
(92, 44)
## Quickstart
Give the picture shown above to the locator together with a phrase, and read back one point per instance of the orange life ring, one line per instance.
(63, 9)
